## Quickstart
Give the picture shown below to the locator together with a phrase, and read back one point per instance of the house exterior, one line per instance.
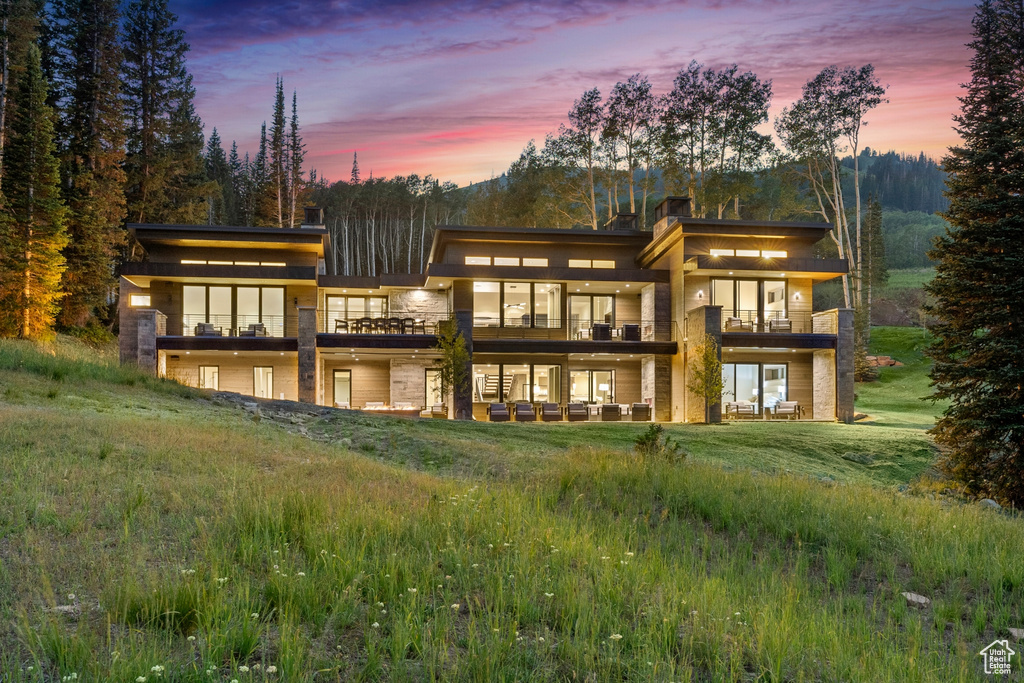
(549, 316)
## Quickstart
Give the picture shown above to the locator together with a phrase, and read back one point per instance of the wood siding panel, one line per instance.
(371, 380)
(236, 372)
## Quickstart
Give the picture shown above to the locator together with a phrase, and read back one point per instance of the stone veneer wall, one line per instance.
(844, 365)
(419, 303)
(824, 383)
(409, 381)
(656, 385)
(309, 357)
(706, 319)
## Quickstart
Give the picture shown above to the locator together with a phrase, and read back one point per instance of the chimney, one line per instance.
(669, 209)
(313, 218)
(622, 221)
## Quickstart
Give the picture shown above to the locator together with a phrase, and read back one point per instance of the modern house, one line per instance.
(550, 316)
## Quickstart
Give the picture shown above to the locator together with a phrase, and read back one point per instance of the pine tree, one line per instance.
(979, 337)
(296, 155)
(354, 179)
(278, 153)
(235, 207)
(222, 201)
(31, 263)
(86, 63)
(166, 180)
(19, 27)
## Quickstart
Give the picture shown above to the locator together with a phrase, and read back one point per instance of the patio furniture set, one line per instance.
(573, 412)
(739, 410)
(381, 326)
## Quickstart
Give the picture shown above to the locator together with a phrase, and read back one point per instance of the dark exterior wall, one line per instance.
(160, 253)
(794, 246)
(558, 255)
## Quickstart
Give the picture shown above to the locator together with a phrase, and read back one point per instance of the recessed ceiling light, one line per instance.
(617, 291)
(627, 285)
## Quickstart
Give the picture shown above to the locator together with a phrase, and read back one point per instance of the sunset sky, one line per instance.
(457, 88)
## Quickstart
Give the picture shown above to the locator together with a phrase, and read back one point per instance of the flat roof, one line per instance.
(452, 233)
(230, 235)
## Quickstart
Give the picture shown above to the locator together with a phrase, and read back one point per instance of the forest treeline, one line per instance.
(98, 128)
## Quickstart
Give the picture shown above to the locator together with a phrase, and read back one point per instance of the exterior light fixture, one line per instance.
(797, 296)
(700, 294)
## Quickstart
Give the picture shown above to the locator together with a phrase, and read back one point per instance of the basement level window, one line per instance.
(478, 260)
(140, 300)
(535, 262)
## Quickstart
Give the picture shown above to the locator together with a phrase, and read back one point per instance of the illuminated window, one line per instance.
(478, 260)
(140, 300)
(192, 262)
(747, 252)
(774, 254)
(579, 263)
(603, 264)
(247, 263)
(723, 252)
(221, 263)
(505, 261)
(536, 262)
(273, 263)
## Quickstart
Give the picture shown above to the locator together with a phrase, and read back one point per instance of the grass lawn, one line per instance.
(146, 531)
(907, 278)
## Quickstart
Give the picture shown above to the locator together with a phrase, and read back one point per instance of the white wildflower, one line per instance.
(615, 636)
(375, 625)
(455, 606)
(271, 669)
(244, 669)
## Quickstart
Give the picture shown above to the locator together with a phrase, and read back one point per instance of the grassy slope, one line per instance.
(550, 539)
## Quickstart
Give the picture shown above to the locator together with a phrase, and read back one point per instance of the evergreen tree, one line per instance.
(979, 337)
(296, 155)
(166, 181)
(354, 179)
(31, 263)
(278, 153)
(86, 63)
(19, 26)
(221, 203)
(234, 208)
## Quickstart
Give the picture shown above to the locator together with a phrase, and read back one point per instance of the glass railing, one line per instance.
(798, 322)
(256, 326)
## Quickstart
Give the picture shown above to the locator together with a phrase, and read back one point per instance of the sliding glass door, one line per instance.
(754, 302)
(762, 384)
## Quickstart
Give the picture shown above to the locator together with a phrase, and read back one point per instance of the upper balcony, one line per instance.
(817, 269)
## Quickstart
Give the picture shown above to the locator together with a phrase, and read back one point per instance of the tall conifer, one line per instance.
(86, 63)
(32, 228)
(979, 337)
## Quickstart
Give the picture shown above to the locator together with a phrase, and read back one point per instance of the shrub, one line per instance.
(654, 444)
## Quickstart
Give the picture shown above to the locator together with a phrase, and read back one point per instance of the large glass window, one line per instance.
(351, 308)
(586, 309)
(512, 383)
(209, 377)
(763, 384)
(342, 388)
(434, 395)
(592, 386)
(753, 301)
(547, 383)
(517, 304)
(233, 308)
(263, 382)
(486, 304)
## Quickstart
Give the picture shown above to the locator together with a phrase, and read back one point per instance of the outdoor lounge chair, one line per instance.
(734, 324)
(439, 410)
(208, 330)
(630, 332)
(577, 412)
(601, 332)
(791, 410)
(641, 412)
(525, 412)
(780, 325)
(498, 412)
(254, 330)
(610, 412)
(551, 412)
(745, 409)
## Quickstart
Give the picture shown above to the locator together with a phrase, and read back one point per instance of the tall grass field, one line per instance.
(152, 532)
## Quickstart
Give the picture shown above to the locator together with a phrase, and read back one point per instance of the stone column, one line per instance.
(701, 321)
(845, 350)
(146, 356)
(662, 311)
(462, 398)
(656, 385)
(309, 356)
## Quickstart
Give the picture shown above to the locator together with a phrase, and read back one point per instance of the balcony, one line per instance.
(235, 326)
(556, 329)
(403, 324)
